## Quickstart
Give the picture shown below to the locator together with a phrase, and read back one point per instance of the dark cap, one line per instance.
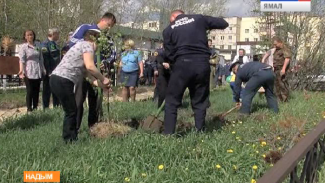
(233, 65)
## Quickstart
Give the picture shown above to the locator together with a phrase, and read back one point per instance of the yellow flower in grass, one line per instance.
(160, 167)
(186, 169)
(271, 165)
(127, 179)
(279, 148)
(233, 132)
(237, 138)
(235, 167)
(253, 181)
(254, 167)
(263, 143)
(143, 174)
(257, 152)
(264, 156)
(254, 145)
(240, 122)
(279, 138)
(218, 166)
(230, 151)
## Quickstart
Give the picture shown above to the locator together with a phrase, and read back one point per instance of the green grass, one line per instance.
(12, 99)
(33, 143)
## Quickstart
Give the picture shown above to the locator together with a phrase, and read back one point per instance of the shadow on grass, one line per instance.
(28, 121)
(257, 106)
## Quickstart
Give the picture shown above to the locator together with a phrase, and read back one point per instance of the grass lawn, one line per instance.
(13, 99)
(223, 154)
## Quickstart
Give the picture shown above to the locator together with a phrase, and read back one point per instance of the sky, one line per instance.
(238, 8)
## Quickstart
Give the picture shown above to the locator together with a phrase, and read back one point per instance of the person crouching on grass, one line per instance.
(131, 63)
(75, 65)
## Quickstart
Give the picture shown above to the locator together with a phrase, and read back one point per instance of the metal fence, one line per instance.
(11, 83)
(310, 151)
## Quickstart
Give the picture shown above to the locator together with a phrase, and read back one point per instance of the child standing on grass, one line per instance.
(75, 65)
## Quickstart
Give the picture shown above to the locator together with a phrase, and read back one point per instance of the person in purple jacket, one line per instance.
(83, 87)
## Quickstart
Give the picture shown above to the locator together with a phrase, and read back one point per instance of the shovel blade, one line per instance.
(151, 124)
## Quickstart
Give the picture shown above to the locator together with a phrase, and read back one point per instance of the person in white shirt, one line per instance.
(241, 57)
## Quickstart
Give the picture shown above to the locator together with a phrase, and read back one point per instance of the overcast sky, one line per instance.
(238, 8)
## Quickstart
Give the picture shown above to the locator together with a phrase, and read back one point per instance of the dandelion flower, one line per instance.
(240, 122)
(254, 145)
(218, 166)
(234, 125)
(143, 174)
(202, 140)
(253, 181)
(186, 169)
(264, 156)
(271, 165)
(230, 151)
(279, 138)
(254, 167)
(127, 179)
(233, 132)
(263, 143)
(237, 138)
(235, 167)
(279, 148)
(160, 167)
(257, 152)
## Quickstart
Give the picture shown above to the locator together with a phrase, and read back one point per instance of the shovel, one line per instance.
(152, 123)
(223, 115)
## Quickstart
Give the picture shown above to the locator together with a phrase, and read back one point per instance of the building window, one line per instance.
(230, 37)
(255, 39)
(246, 30)
(222, 38)
(230, 28)
(221, 47)
(213, 38)
(247, 39)
(229, 47)
(255, 30)
(153, 24)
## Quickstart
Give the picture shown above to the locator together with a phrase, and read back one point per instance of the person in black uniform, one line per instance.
(256, 75)
(186, 43)
(148, 69)
(51, 55)
(163, 70)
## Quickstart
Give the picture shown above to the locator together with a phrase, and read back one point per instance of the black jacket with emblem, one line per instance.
(187, 36)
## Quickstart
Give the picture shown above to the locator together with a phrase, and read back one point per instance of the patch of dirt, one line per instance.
(6, 113)
(109, 129)
(143, 94)
(273, 157)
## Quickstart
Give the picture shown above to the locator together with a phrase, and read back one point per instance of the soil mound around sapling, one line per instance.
(109, 129)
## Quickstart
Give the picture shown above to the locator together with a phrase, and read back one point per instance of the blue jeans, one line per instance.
(232, 86)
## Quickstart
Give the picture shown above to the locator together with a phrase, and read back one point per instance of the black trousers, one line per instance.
(63, 88)
(47, 94)
(148, 74)
(162, 84)
(194, 74)
(32, 96)
(82, 89)
(265, 79)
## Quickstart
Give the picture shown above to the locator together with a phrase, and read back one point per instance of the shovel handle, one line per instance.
(232, 109)
(160, 109)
